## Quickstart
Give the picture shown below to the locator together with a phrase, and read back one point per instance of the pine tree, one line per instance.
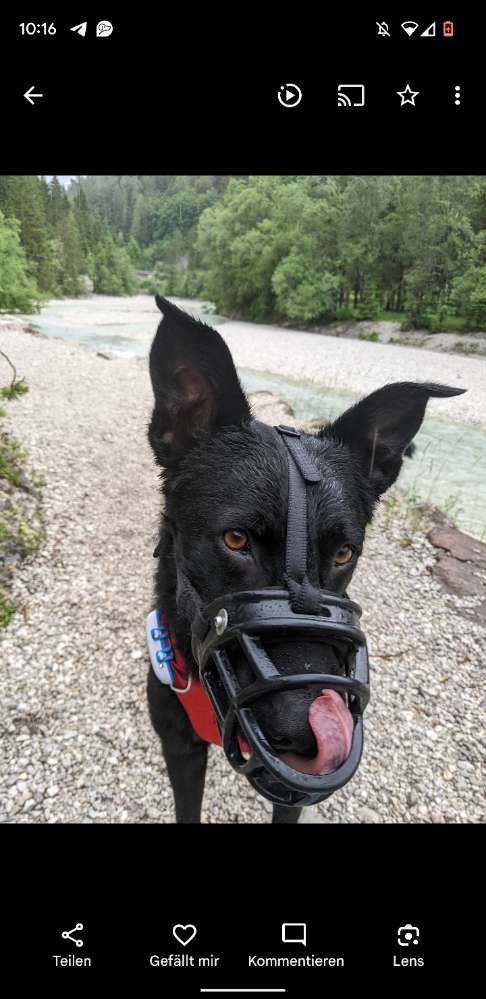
(72, 254)
(134, 251)
(84, 222)
(23, 198)
(58, 204)
(18, 292)
(9, 196)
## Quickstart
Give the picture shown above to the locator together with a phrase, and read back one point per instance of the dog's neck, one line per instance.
(166, 590)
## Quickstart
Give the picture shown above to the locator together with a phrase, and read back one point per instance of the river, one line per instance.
(321, 376)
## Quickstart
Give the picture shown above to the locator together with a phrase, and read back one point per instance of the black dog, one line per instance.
(223, 527)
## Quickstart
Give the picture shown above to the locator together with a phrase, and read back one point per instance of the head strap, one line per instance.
(302, 474)
(301, 471)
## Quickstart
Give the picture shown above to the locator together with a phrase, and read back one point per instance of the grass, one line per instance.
(413, 516)
(392, 317)
(17, 533)
(465, 348)
(7, 608)
(373, 337)
(414, 510)
(450, 505)
(358, 314)
(450, 324)
(417, 513)
(428, 323)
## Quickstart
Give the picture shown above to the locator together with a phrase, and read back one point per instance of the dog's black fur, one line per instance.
(220, 474)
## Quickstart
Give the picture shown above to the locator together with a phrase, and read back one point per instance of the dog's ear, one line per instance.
(379, 429)
(195, 384)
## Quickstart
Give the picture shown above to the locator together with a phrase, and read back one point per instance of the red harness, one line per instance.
(195, 701)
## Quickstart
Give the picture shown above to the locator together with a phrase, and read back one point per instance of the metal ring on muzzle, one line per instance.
(247, 618)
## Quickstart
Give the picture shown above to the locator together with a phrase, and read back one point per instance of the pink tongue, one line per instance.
(332, 725)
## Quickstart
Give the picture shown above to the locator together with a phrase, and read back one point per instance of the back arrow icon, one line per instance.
(29, 95)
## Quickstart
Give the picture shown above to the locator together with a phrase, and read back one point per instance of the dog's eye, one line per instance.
(343, 555)
(236, 540)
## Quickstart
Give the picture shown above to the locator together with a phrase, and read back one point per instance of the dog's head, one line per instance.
(226, 485)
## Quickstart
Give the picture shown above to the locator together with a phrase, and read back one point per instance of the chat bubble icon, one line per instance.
(103, 29)
(294, 933)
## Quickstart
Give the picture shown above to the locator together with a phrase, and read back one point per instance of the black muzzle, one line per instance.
(241, 623)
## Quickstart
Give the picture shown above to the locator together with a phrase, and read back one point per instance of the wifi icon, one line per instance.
(409, 27)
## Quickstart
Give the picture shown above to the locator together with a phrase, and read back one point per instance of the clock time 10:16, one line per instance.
(30, 28)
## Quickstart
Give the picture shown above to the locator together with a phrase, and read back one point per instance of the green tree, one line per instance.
(86, 224)
(112, 271)
(305, 293)
(58, 205)
(134, 251)
(18, 292)
(71, 262)
(468, 297)
(23, 198)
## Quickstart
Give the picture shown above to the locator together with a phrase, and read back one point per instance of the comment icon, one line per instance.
(294, 933)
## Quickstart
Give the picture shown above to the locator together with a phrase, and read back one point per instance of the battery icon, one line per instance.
(448, 29)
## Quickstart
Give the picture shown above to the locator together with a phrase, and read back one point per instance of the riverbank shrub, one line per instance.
(21, 527)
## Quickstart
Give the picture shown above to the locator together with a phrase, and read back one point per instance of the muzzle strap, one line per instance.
(302, 470)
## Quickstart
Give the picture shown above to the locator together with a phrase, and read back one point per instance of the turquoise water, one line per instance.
(448, 468)
(122, 327)
(118, 343)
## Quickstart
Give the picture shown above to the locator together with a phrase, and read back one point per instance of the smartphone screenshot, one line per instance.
(242, 498)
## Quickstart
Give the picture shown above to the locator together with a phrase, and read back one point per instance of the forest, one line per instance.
(303, 250)
(53, 245)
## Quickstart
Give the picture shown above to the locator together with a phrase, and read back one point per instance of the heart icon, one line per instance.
(184, 934)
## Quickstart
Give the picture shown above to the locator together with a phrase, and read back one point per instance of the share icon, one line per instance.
(66, 935)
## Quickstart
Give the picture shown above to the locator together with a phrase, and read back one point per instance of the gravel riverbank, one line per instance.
(126, 325)
(360, 366)
(76, 742)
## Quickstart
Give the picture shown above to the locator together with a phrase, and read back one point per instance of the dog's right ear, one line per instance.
(380, 428)
(195, 384)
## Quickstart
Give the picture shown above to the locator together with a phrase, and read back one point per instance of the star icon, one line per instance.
(408, 95)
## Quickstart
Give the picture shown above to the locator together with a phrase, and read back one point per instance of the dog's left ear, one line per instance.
(195, 384)
(379, 429)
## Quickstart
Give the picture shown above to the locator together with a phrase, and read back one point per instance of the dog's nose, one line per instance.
(281, 743)
(284, 716)
(301, 742)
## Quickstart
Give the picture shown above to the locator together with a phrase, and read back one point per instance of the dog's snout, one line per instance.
(282, 742)
(284, 716)
(301, 740)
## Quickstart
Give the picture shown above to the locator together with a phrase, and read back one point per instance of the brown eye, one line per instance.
(236, 540)
(343, 555)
